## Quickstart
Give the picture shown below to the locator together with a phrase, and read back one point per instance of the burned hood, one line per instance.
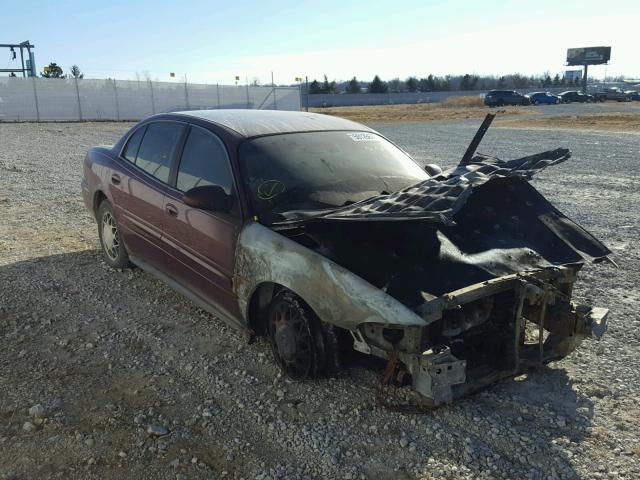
(477, 221)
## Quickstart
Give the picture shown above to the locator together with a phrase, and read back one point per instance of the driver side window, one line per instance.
(204, 161)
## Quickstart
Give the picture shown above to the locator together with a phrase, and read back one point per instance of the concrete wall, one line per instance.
(69, 99)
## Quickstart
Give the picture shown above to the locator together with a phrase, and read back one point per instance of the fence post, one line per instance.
(35, 98)
(275, 99)
(218, 93)
(153, 102)
(247, 86)
(115, 94)
(186, 95)
(78, 97)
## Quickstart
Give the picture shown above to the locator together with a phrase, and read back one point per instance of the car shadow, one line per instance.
(523, 426)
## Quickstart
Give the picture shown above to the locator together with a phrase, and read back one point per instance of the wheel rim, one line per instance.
(110, 236)
(292, 340)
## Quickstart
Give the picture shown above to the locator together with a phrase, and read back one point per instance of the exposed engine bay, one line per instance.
(476, 252)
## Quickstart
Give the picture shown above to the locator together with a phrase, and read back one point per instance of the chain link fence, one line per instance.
(70, 99)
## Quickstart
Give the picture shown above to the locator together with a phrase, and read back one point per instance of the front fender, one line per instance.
(335, 294)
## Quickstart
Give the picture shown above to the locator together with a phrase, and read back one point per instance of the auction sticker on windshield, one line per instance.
(362, 137)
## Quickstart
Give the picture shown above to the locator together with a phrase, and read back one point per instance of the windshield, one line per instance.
(322, 170)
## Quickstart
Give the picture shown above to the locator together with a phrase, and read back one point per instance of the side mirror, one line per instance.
(433, 170)
(208, 197)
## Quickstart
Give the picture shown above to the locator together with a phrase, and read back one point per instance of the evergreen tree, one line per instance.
(378, 86)
(412, 84)
(314, 87)
(353, 86)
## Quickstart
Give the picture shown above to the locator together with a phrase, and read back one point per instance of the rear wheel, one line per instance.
(302, 345)
(109, 232)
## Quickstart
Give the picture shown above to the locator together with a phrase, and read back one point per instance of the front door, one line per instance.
(201, 244)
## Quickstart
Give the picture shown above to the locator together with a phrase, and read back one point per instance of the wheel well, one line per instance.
(97, 200)
(259, 304)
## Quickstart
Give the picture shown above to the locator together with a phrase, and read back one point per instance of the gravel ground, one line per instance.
(110, 374)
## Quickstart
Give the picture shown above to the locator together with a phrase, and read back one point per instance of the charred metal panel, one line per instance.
(336, 295)
(439, 198)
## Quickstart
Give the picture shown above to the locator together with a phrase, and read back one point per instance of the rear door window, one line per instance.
(158, 148)
(204, 162)
(133, 145)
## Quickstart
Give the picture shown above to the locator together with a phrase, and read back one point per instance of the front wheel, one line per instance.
(302, 345)
(109, 232)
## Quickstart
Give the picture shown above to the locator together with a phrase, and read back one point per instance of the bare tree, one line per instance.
(75, 72)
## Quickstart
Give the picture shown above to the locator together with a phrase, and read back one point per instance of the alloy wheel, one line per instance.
(110, 236)
(292, 339)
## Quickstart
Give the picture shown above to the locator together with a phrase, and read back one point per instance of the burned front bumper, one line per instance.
(468, 345)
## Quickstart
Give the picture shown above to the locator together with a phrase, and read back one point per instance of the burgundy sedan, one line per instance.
(323, 235)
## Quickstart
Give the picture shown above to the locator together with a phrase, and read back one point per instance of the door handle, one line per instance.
(171, 210)
(115, 179)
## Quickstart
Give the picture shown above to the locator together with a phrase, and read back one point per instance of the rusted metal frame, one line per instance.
(543, 312)
(518, 326)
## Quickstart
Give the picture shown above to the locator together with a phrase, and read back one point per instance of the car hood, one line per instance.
(474, 222)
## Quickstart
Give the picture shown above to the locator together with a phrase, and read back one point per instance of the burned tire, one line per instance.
(115, 253)
(302, 345)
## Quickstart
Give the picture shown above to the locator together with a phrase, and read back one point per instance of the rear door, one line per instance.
(201, 244)
(138, 189)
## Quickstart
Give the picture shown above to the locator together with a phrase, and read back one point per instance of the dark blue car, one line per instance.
(537, 98)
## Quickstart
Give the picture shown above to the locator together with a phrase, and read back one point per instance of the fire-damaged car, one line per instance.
(323, 235)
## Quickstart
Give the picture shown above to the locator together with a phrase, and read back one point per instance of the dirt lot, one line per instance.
(108, 354)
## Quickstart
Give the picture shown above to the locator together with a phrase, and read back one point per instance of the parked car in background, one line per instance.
(572, 96)
(547, 98)
(614, 93)
(499, 98)
(633, 95)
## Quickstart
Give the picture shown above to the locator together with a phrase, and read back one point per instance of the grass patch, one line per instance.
(453, 108)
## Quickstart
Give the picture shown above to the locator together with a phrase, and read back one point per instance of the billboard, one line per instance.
(588, 55)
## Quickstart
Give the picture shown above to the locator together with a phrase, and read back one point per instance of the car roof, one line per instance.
(253, 123)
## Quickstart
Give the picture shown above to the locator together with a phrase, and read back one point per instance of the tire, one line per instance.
(500, 103)
(115, 253)
(536, 102)
(302, 345)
